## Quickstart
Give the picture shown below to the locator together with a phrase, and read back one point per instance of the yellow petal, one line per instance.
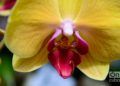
(100, 13)
(69, 9)
(21, 64)
(94, 69)
(99, 23)
(36, 11)
(25, 40)
(104, 44)
(29, 24)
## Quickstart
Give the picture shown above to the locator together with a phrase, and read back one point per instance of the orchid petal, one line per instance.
(94, 69)
(27, 29)
(69, 9)
(99, 13)
(25, 40)
(22, 64)
(99, 23)
(104, 44)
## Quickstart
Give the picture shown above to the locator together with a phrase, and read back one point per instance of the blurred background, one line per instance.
(45, 76)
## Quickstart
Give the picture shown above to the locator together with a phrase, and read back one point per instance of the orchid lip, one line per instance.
(64, 61)
(64, 54)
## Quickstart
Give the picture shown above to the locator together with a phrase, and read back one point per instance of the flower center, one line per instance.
(67, 27)
(65, 49)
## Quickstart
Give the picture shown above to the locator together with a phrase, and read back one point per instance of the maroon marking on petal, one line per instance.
(51, 45)
(81, 45)
(64, 61)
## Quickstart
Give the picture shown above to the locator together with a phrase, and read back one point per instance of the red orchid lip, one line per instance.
(64, 61)
(65, 55)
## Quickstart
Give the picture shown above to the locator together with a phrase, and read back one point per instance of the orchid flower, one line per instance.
(67, 33)
(5, 6)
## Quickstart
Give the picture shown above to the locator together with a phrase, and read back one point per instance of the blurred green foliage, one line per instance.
(6, 70)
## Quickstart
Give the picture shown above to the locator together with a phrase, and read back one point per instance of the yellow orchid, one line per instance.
(67, 33)
(5, 6)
